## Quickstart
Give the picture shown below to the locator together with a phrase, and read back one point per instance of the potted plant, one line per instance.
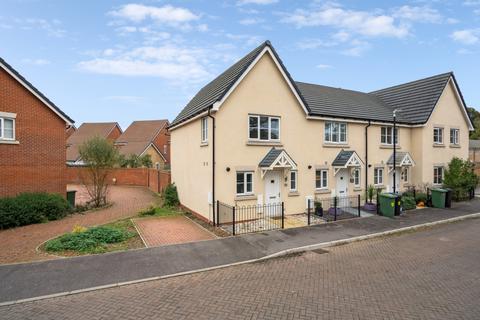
(318, 208)
(369, 205)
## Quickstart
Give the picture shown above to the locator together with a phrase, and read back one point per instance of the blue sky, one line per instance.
(130, 60)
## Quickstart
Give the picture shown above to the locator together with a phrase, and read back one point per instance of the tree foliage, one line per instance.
(475, 116)
(99, 156)
(135, 161)
(460, 177)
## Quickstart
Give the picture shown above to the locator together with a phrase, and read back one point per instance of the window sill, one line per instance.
(293, 194)
(335, 145)
(455, 146)
(322, 191)
(204, 144)
(245, 197)
(438, 145)
(378, 186)
(389, 146)
(2, 141)
(357, 189)
(264, 143)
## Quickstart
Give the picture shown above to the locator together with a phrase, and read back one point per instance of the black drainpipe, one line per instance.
(213, 165)
(366, 161)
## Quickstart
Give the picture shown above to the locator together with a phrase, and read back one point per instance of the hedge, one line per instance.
(29, 208)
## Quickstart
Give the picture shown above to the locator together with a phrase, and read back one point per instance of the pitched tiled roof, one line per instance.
(270, 157)
(342, 158)
(400, 155)
(85, 132)
(139, 135)
(31, 87)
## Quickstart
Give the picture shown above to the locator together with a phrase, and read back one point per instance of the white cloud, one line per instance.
(324, 66)
(249, 40)
(260, 2)
(471, 3)
(418, 14)
(250, 21)
(202, 27)
(360, 22)
(357, 48)
(467, 36)
(167, 14)
(36, 62)
(315, 44)
(52, 28)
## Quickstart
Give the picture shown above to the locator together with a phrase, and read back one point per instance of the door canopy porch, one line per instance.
(403, 159)
(346, 159)
(276, 159)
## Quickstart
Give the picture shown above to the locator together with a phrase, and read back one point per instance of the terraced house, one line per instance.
(255, 136)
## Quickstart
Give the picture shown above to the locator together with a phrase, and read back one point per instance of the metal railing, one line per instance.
(333, 209)
(251, 218)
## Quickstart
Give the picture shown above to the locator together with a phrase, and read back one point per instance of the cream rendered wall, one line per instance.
(447, 114)
(155, 157)
(191, 166)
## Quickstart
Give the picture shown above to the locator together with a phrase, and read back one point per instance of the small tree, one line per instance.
(170, 196)
(99, 156)
(146, 161)
(460, 177)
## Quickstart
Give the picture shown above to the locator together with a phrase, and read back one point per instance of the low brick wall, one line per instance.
(155, 180)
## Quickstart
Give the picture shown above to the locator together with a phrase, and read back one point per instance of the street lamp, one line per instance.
(395, 149)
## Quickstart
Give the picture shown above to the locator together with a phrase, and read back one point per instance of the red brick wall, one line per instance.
(151, 178)
(163, 138)
(37, 163)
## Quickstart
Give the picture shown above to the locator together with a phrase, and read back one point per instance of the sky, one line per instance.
(134, 60)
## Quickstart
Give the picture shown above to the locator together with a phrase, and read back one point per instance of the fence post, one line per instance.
(308, 211)
(358, 197)
(335, 208)
(283, 216)
(233, 219)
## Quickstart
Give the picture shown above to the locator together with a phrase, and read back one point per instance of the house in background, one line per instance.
(32, 138)
(70, 130)
(254, 136)
(147, 137)
(474, 151)
(108, 130)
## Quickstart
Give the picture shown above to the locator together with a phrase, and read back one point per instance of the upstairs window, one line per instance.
(7, 128)
(454, 136)
(263, 128)
(438, 135)
(204, 129)
(387, 135)
(335, 132)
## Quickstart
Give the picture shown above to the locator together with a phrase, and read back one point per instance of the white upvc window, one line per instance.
(293, 180)
(438, 135)
(356, 177)
(378, 176)
(321, 179)
(386, 136)
(335, 132)
(265, 128)
(454, 136)
(244, 183)
(405, 174)
(204, 129)
(7, 128)
(438, 175)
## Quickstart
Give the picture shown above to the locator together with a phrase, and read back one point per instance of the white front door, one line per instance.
(272, 187)
(342, 183)
(397, 180)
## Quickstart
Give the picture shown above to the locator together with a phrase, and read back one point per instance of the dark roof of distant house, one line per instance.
(25, 82)
(416, 99)
(139, 135)
(342, 158)
(85, 132)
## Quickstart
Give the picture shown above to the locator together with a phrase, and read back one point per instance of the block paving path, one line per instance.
(19, 244)
(430, 274)
(157, 231)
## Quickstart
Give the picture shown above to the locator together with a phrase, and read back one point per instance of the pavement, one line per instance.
(431, 274)
(22, 281)
(19, 244)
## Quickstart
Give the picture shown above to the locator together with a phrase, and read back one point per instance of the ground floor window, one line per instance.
(405, 174)
(244, 183)
(293, 180)
(356, 177)
(378, 176)
(437, 175)
(321, 179)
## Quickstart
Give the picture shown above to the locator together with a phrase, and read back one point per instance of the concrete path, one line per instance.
(19, 244)
(23, 281)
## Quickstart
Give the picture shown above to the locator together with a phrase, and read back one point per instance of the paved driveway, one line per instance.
(157, 231)
(431, 274)
(19, 244)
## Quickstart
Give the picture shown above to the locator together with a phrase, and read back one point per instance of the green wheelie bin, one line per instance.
(389, 205)
(439, 197)
(71, 197)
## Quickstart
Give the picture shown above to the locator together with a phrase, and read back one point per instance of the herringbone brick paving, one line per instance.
(431, 274)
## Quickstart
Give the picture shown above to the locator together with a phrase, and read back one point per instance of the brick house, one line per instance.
(147, 137)
(32, 137)
(108, 130)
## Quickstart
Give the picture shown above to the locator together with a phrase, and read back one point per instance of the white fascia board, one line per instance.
(200, 115)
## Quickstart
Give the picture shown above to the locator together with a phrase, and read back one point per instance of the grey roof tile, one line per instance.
(399, 158)
(342, 158)
(270, 157)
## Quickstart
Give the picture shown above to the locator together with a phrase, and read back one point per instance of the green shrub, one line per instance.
(28, 208)
(150, 211)
(170, 196)
(421, 197)
(408, 202)
(93, 240)
(460, 177)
